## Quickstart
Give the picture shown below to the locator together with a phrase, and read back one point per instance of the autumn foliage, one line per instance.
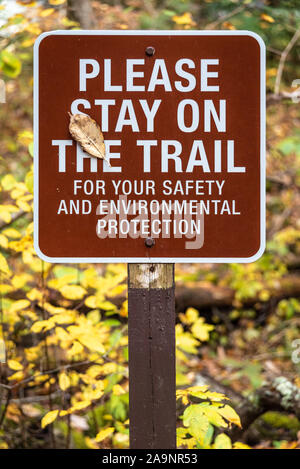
(63, 332)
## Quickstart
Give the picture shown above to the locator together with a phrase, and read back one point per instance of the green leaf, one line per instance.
(222, 441)
(208, 436)
(29, 181)
(214, 416)
(30, 149)
(10, 64)
(196, 421)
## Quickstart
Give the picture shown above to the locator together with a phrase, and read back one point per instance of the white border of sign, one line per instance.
(262, 148)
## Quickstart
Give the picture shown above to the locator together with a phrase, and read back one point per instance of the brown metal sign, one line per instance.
(183, 118)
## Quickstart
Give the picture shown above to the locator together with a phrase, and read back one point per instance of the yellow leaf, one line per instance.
(91, 302)
(3, 241)
(94, 371)
(117, 290)
(19, 281)
(200, 330)
(79, 406)
(212, 396)
(185, 19)
(64, 318)
(53, 309)
(26, 4)
(56, 2)
(214, 416)
(62, 334)
(58, 283)
(267, 18)
(2, 351)
(3, 265)
(73, 292)
(92, 394)
(230, 414)
(228, 25)
(5, 288)
(185, 341)
(35, 294)
(104, 434)
(239, 445)
(8, 182)
(90, 443)
(191, 315)
(33, 28)
(19, 305)
(14, 365)
(64, 381)
(76, 349)
(92, 343)
(109, 368)
(49, 418)
(12, 233)
(30, 314)
(117, 390)
(23, 205)
(6, 211)
(124, 309)
(106, 306)
(18, 376)
(38, 326)
(25, 137)
(271, 72)
(47, 12)
(28, 42)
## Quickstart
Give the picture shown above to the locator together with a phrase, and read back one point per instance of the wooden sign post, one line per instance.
(183, 119)
(151, 327)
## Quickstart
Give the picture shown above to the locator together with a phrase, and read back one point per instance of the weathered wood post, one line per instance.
(152, 401)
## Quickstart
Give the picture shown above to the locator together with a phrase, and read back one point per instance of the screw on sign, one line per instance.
(166, 164)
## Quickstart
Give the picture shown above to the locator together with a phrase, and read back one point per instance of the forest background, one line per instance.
(63, 333)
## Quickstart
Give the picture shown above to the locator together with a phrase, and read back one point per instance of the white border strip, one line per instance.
(262, 148)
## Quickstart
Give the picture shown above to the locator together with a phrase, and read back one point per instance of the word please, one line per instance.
(135, 75)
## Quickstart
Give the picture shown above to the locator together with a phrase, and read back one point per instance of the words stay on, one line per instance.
(201, 75)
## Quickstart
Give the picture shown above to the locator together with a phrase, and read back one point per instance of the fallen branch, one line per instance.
(203, 297)
(280, 395)
(273, 98)
(283, 58)
(14, 217)
(226, 17)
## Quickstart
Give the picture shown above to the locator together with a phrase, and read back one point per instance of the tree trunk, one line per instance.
(81, 11)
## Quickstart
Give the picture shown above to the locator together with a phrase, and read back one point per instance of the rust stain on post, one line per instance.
(152, 403)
